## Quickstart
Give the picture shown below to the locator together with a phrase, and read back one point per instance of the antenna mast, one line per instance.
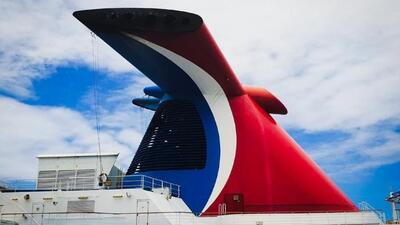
(95, 97)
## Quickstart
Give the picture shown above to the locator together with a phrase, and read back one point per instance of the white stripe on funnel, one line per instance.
(220, 108)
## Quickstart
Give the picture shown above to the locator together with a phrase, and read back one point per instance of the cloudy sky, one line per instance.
(334, 64)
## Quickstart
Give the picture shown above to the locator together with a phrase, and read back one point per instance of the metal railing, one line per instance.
(92, 183)
(173, 218)
(3, 185)
(365, 206)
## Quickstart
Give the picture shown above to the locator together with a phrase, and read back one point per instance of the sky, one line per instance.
(334, 64)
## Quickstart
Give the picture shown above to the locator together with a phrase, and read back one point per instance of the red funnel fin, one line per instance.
(266, 100)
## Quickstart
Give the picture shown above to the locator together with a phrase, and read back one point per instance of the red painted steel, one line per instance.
(271, 170)
(200, 48)
(266, 100)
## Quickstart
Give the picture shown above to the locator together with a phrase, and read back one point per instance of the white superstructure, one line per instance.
(144, 200)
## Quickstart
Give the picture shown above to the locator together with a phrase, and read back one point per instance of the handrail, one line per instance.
(322, 213)
(365, 206)
(3, 184)
(186, 217)
(91, 183)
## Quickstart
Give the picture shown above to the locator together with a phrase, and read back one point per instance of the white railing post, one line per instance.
(1, 208)
(142, 182)
(75, 178)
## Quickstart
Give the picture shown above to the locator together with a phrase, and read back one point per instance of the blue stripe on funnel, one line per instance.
(154, 91)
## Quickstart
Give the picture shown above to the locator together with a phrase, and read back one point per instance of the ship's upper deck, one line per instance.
(73, 172)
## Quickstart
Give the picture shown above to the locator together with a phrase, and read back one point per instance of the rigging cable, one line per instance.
(95, 97)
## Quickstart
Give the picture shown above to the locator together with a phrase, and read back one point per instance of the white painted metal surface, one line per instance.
(77, 161)
(138, 206)
(145, 200)
(61, 171)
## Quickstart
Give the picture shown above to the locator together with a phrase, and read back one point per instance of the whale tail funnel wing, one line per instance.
(180, 32)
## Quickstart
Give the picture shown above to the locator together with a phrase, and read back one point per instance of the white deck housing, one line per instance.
(138, 206)
(142, 200)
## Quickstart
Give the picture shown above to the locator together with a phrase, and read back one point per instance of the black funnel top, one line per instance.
(139, 19)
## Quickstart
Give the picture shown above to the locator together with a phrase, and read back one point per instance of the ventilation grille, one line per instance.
(174, 140)
(47, 179)
(66, 179)
(85, 179)
(80, 206)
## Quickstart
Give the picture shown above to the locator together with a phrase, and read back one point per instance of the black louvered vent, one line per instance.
(174, 140)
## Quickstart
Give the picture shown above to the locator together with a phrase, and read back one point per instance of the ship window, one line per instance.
(174, 140)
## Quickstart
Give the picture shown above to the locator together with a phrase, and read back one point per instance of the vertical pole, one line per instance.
(148, 203)
(137, 213)
(394, 212)
(56, 181)
(1, 208)
(32, 206)
(41, 222)
(76, 174)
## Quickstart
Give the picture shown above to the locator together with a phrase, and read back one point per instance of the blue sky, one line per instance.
(334, 65)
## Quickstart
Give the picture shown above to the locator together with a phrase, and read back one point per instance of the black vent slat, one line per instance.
(174, 140)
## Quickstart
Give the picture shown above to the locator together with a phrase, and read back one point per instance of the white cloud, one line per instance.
(334, 64)
(27, 131)
(333, 54)
(38, 36)
(365, 149)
